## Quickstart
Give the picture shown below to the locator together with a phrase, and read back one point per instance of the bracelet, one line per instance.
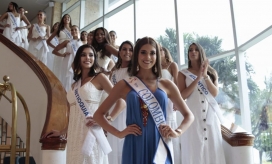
(178, 130)
(109, 118)
(207, 77)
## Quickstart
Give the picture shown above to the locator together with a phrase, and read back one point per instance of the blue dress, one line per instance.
(141, 149)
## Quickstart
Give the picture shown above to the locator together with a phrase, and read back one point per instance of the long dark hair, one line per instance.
(202, 56)
(61, 24)
(15, 7)
(76, 63)
(119, 61)
(156, 69)
(101, 46)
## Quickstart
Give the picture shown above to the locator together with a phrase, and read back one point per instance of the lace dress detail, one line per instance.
(77, 129)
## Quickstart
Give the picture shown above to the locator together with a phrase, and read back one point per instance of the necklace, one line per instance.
(144, 111)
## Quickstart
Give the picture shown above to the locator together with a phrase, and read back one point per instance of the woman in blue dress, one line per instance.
(145, 141)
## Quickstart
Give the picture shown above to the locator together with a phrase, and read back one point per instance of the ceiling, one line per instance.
(32, 6)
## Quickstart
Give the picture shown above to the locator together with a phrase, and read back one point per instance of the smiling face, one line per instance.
(66, 19)
(41, 16)
(126, 52)
(113, 36)
(83, 36)
(100, 36)
(90, 38)
(74, 31)
(147, 56)
(87, 58)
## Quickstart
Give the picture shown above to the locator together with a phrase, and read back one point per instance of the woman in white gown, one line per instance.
(51, 57)
(24, 32)
(170, 72)
(37, 36)
(12, 27)
(69, 55)
(202, 142)
(63, 33)
(117, 117)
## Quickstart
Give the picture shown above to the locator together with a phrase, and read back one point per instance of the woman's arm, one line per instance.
(48, 41)
(175, 97)
(29, 35)
(24, 18)
(4, 16)
(120, 90)
(59, 47)
(111, 65)
(174, 72)
(47, 32)
(186, 91)
(111, 49)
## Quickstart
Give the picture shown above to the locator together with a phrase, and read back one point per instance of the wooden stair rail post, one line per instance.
(14, 94)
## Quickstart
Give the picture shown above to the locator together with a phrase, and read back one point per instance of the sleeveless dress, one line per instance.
(77, 129)
(67, 64)
(141, 149)
(10, 31)
(40, 53)
(24, 33)
(57, 66)
(171, 120)
(115, 157)
(201, 143)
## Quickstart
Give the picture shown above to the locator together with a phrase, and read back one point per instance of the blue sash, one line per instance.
(42, 42)
(210, 99)
(157, 114)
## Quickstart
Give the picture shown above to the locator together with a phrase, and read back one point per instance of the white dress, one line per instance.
(57, 66)
(171, 120)
(201, 143)
(24, 33)
(67, 64)
(39, 48)
(119, 123)
(77, 129)
(51, 57)
(11, 34)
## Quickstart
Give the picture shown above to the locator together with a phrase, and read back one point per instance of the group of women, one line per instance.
(123, 99)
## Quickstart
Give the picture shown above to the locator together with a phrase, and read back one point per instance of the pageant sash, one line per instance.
(212, 102)
(42, 42)
(55, 41)
(68, 33)
(96, 132)
(14, 26)
(156, 112)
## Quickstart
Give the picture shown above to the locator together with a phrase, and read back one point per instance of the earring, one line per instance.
(78, 72)
(137, 67)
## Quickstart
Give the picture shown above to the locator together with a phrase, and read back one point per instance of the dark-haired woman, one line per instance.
(202, 142)
(146, 135)
(117, 117)
(12, 27)
(83, 37)
(24, 31)
(63, 33)
(89, 86)
(71, 49)
(37, 36)
(104, 48)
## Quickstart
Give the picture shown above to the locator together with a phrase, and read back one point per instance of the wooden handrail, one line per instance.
(57, 106)
(236, 136)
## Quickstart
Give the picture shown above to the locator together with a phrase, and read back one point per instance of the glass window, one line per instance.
(112, 4)
(260, 95)
(156, 19)
(93, 10)
(75, 16)
(228, 95)
(124, 29)
(70, 3)
(210, 18)
(251, 18)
